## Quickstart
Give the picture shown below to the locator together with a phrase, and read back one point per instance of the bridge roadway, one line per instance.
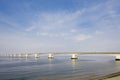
(74, 54)
(79, 53)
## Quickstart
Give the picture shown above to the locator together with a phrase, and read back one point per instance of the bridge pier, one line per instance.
(36, 55)
(10, 55)
(20, 55)
(74, 56)
(50, 56)
(117, 57)
(27, 55)
(14, 55)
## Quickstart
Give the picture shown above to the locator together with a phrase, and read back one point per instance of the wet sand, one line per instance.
(113, 76)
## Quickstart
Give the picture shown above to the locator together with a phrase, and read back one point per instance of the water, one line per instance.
(59, 68)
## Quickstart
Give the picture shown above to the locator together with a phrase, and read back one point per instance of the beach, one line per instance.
(113, 76)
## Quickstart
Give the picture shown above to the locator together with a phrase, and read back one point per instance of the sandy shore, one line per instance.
(113, 76)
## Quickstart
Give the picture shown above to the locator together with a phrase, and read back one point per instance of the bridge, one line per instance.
(74, 55)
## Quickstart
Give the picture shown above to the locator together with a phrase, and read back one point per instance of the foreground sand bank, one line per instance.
(113, 76)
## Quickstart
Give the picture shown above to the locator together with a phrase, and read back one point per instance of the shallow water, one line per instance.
(60, 68)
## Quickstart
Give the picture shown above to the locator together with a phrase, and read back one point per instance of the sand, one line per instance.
(113, 78)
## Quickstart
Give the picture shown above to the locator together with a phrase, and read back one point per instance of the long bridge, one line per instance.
(74, 55)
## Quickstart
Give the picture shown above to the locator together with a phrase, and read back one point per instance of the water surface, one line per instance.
(59, 68)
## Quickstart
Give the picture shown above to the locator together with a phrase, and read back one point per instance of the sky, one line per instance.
(59, 25)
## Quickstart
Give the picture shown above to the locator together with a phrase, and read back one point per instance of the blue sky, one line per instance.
(59, 25)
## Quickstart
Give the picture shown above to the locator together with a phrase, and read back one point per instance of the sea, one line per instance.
(61, 67)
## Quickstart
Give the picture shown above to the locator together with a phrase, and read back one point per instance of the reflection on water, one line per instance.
(74, 62)
(60, 68)
(36, 58)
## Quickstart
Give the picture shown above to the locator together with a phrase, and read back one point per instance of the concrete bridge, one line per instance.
(74, 55)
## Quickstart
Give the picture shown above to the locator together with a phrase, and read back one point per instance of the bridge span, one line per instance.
(74, 55)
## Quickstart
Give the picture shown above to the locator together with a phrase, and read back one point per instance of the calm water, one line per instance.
(59, 68)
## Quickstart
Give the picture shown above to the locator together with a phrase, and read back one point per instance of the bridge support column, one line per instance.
(74, 56)
(50, 56)
(26, 55)
(10, 55)
(14, 55)
(117, 57)
(36, 55)
(20, 55)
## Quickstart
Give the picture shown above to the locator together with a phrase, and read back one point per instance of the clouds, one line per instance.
(82, 37)
(94, 27)
(30, 28)
(56, 24)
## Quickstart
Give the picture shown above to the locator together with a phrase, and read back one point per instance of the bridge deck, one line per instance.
(79, 53)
